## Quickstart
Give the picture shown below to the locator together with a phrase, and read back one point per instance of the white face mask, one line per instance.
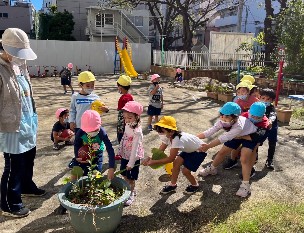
(226, 124)
(66, 120)
(88, 91)
(163, 137)
(18, 61)
(93, 134)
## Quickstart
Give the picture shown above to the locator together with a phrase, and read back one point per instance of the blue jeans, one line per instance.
(17, 178)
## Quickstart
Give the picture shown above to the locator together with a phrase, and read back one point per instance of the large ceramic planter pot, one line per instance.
(98, 219)
(225, 97)
(212, 95)
(284, 115)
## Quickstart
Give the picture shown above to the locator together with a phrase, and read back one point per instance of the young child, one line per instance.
(123, 86)
(66, 77)
(95, 136)
(236, 126)
(254, 91)
(244, 100)
(92, 134)
(179, 75)
(82, 101)
(62, 124)
(267, 97)
(131, 146)
(189, 157)
(156, 102)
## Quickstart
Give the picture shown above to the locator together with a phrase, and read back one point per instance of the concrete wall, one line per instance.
(98, 55)
(19, 17)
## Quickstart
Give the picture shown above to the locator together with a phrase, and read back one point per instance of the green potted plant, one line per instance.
(211, 91)
(95, 203)
(225, 94)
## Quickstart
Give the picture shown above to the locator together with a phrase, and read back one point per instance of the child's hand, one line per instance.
(81, 161)
(72, 126)
(111, 173)
(146, 161)
(204, 147)
(270, 125)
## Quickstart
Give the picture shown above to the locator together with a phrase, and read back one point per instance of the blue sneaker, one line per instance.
(150, 127)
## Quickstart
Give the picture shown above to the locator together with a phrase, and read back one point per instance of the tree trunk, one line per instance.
(187, 39)
(270, 38)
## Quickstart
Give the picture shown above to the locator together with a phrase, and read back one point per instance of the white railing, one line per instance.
(206, 60)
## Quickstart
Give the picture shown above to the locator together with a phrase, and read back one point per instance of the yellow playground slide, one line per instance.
(127, 63)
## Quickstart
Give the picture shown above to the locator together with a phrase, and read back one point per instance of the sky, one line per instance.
(37, 4)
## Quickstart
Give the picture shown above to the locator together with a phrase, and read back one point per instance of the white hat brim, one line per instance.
(27, 54)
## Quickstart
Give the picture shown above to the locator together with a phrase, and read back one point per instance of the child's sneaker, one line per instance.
(23, 212)
(130, 199)
(65, 92)
(191, 189)
(168, 189)
(230, 163)
(56, 146)
(208, 171)
(150, 127)
(244, 190)
(269, 164)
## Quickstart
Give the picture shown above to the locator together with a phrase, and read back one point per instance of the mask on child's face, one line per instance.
(93, 134)
(226, 124)
(132, 124)
(162, 137)
(88, 91)
(255, 121)
(242, 97)
(266, 103)
(66, 120)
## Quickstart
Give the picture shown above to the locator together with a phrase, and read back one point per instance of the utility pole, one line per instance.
(240, 13)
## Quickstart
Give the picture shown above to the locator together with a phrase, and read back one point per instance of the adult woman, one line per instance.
(18, 123)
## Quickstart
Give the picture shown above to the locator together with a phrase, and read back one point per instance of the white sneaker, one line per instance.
(130, 199)
(208, 171)
(244, 190)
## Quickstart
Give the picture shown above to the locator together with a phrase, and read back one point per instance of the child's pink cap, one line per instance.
(134, 107)
(154, 76)
(70, 65)
(59, 111)
(90, 121)
(178, 70)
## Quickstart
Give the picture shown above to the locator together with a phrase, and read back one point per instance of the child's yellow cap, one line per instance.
(96, 104)
(167, 122)
(124, 80)
(250, 78)
(85, 77)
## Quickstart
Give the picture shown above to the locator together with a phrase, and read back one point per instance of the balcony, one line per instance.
(226, 21)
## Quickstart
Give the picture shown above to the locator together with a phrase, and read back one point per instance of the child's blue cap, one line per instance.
(230, 108)
(257, 109)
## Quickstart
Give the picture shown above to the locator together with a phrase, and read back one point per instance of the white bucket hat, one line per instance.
(16, 43)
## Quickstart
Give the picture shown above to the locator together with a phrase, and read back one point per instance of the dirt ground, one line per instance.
(152, 212)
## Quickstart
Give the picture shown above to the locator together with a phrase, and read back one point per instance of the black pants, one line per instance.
(17, 178)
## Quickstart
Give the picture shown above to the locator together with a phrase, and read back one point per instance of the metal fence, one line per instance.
(206, 60)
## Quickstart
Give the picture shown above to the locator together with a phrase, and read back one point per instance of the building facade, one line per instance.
(19, 14)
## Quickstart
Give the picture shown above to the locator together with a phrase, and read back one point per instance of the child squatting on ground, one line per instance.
(179, 75)
(123, 86)
(189, 157)
(131, 146)
(61, 130)
(156, 100)
(66, 77)
(235, 126)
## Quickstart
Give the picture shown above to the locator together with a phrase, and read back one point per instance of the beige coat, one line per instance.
(10, 99)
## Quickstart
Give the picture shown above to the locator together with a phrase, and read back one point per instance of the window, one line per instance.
(46, 5)
(138, 21)
(5, 15)
(107, 20)
(98, 20)
(0, 15)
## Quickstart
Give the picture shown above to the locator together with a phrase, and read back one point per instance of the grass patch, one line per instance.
(270, 217)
